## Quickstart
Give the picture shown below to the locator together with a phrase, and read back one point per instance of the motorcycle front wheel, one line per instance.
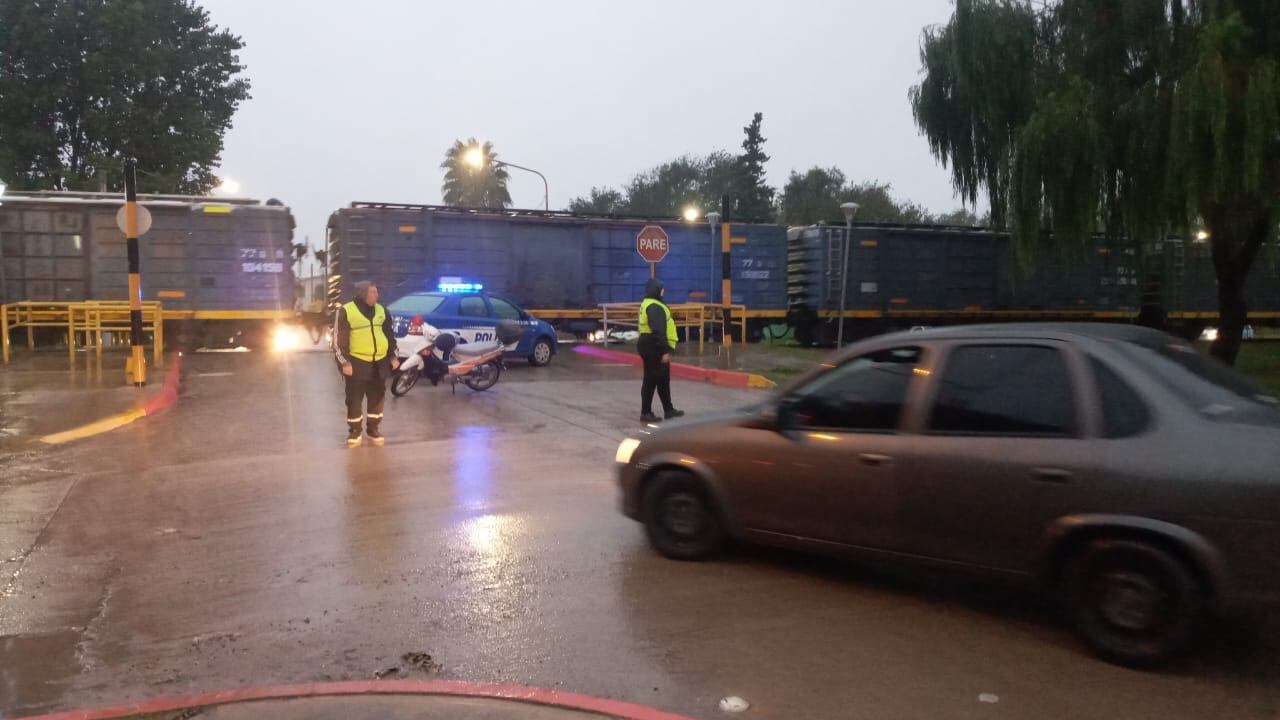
(404, 382)
(484, 376)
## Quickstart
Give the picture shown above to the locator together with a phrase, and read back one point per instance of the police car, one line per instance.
(464, 309)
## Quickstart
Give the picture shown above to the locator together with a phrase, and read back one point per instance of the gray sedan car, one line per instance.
(1134, 476)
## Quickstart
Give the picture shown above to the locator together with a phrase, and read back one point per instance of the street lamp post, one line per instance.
(849, 209)
(476, 158)
(546, 189)
(713, 219)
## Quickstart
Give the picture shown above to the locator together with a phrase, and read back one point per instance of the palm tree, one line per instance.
(467, 185)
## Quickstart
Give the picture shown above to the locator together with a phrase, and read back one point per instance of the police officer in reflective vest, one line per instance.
(657, 341)
(365, 346)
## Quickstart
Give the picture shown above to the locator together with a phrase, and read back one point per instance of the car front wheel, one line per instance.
(679, 517)
(1134, 603)
(541, 354)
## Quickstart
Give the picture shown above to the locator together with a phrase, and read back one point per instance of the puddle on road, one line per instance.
(27, 662)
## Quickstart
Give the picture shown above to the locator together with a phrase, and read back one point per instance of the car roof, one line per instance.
(1070, 332)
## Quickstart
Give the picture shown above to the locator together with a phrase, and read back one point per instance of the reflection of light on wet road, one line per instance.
(491, 535)
(473, 467)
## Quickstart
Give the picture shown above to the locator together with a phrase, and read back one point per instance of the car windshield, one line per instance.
(1202, 382)
(419, 304)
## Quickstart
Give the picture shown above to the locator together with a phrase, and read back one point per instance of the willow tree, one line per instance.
(1136, 117)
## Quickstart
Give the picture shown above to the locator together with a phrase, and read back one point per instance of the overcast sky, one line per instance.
(359, 100)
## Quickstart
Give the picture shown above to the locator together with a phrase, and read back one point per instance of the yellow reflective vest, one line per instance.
(671, 323)
(368, 342)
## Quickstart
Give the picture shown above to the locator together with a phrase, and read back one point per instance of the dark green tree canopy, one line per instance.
(815, 197)
(667, 189)
(473, 177)
(85, 84)
(700, 182)
(601, 201)
(751, 196)
(1134, 117)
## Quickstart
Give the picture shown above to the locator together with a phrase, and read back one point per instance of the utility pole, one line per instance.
(726, 281)
(137, 366)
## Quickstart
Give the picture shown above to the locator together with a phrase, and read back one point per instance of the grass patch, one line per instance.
(1261, 362)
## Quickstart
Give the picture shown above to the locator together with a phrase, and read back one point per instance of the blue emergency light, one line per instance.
(457, 285)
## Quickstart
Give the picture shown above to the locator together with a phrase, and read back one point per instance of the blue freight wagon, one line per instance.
(560, 265)
(904, 275)
(221, 267)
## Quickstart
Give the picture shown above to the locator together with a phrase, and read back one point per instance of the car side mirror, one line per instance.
(779, 418)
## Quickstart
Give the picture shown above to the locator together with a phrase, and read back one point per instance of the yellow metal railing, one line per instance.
(90, 320)
(685, 315)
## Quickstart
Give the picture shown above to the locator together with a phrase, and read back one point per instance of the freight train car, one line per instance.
(1187, 288)
(221, 268)
(905, 275)
(562, 265)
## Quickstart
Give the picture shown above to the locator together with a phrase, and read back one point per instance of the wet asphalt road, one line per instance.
(232, 541)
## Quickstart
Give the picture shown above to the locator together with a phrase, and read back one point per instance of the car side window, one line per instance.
(504, 310)
(1004, 390)
(866, 393)
(1123, 412)
(472, 306)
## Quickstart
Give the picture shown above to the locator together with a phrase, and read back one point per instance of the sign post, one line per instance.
(653, 245)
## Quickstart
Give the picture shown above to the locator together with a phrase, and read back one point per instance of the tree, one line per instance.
(667, 189)
(86, 84)
(602, 201)
(816, 196)
(298, 251)
(812, 197)
(961, 217)
(467, 185)
(1137, 117)
(752, 197)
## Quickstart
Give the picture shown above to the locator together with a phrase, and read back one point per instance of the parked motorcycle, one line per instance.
(435, 355)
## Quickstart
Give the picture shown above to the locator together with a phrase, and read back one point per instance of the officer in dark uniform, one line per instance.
(657, 341)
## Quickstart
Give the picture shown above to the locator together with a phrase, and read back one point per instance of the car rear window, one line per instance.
(1123, 412)
(1200, 381)
(1004, 390)
(416, 304)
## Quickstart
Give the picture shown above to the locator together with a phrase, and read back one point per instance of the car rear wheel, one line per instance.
(1134, 603)
(679, 517)
(541, 354)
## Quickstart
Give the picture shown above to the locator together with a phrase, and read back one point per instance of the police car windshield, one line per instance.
(417, 304)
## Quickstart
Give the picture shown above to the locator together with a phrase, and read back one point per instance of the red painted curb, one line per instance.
(168, 395)
(723, 378)
(449, 688)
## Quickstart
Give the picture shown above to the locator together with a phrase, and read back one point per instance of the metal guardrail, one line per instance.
(91, 320)
(685, 315)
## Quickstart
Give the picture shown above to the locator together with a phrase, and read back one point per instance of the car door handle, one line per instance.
(874, 459)
(1054, 475)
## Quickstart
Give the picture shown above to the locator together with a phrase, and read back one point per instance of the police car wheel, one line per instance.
(541, 354)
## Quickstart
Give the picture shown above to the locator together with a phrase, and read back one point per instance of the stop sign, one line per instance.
(652, 243)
